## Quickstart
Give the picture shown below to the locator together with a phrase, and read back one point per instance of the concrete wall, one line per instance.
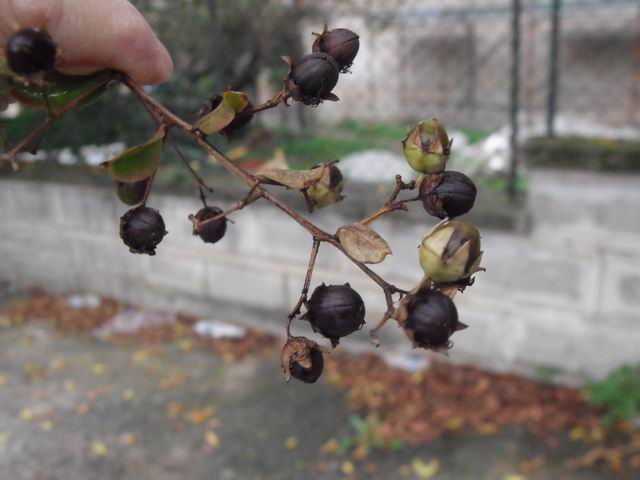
(564, 296)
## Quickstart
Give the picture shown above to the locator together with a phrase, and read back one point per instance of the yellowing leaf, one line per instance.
(577, 433)
(348, 468)
(362, 243)
(137, 163)
(4, 379)
(98, 368)
(513, 477)
(99, 449)
(47, 425)
(423, 470)
(291, 443)
(212, 439)
(26, 414)
(231, 104)
(129, 394)
(4, 438)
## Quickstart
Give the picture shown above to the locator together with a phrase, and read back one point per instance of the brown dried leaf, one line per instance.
(294, 179)
(363, 244)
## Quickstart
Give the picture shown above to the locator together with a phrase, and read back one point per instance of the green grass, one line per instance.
(618, 394)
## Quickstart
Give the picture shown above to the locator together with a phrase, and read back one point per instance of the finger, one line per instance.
(96, 34)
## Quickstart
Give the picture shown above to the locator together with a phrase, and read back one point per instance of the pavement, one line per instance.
(79, 408)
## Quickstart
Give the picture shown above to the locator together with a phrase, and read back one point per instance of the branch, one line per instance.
(169, 119)
(392, 205)
(251, 197)
(11, 155)
(305, 289)
(202, 186)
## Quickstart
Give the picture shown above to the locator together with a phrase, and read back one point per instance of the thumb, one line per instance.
(96, 34)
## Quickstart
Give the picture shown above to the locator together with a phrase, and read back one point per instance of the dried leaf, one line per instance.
(99, 449)
(363, 244)
(231, 104)
(137, 163)
(294, 179)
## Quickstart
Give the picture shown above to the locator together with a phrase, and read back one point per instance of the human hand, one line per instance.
(93, 35)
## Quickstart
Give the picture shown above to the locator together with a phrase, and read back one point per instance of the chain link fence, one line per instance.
(454, 59)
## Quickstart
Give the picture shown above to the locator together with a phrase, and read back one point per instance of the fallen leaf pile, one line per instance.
(417, 408)
(39, 306)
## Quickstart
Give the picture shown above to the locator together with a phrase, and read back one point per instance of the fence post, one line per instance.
(554, 50)
(515, 94)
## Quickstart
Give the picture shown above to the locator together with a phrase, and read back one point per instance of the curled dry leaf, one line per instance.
(363, 244)
(294, 179)
(232, 103)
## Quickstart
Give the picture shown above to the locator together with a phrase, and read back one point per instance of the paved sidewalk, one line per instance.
(75, 408)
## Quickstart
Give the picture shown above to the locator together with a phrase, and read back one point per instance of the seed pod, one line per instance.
(132, 193)
(312, 78)
(451, 252)
(30, 51)
(328, 190)
(431, 319)
(142, 229)
(302, 359)
(342, 44)
(427, 147)
(335, 311)
(213, 231)
(448, 195)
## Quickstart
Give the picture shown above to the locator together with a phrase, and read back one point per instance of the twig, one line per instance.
(202, 186)
(169, 119)
(305, 289)
(251, 197)
(10, 156)
(278, 98)
(392, 204)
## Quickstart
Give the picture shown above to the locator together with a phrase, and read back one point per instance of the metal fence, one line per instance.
(489, 64)
(455, 59)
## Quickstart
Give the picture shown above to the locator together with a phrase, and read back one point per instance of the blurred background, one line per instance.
(121, 366)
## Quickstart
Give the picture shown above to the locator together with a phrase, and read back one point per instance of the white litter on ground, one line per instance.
(217, 329)
(131, 321)
(83, 300)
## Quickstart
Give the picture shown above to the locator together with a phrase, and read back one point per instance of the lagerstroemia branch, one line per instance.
(449, 255)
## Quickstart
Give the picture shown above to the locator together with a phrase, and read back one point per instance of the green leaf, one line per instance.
(61, 89)
(137, 163)
(4, 85)
(232, 103)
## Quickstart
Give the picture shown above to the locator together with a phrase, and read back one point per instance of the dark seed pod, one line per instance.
(211, 232)
(335, 311)
(313, 78)
(448, 195)
(342, 44)
(142, 229)
(302, 359)
(432, 319)
(30, 51)
(132, 193)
